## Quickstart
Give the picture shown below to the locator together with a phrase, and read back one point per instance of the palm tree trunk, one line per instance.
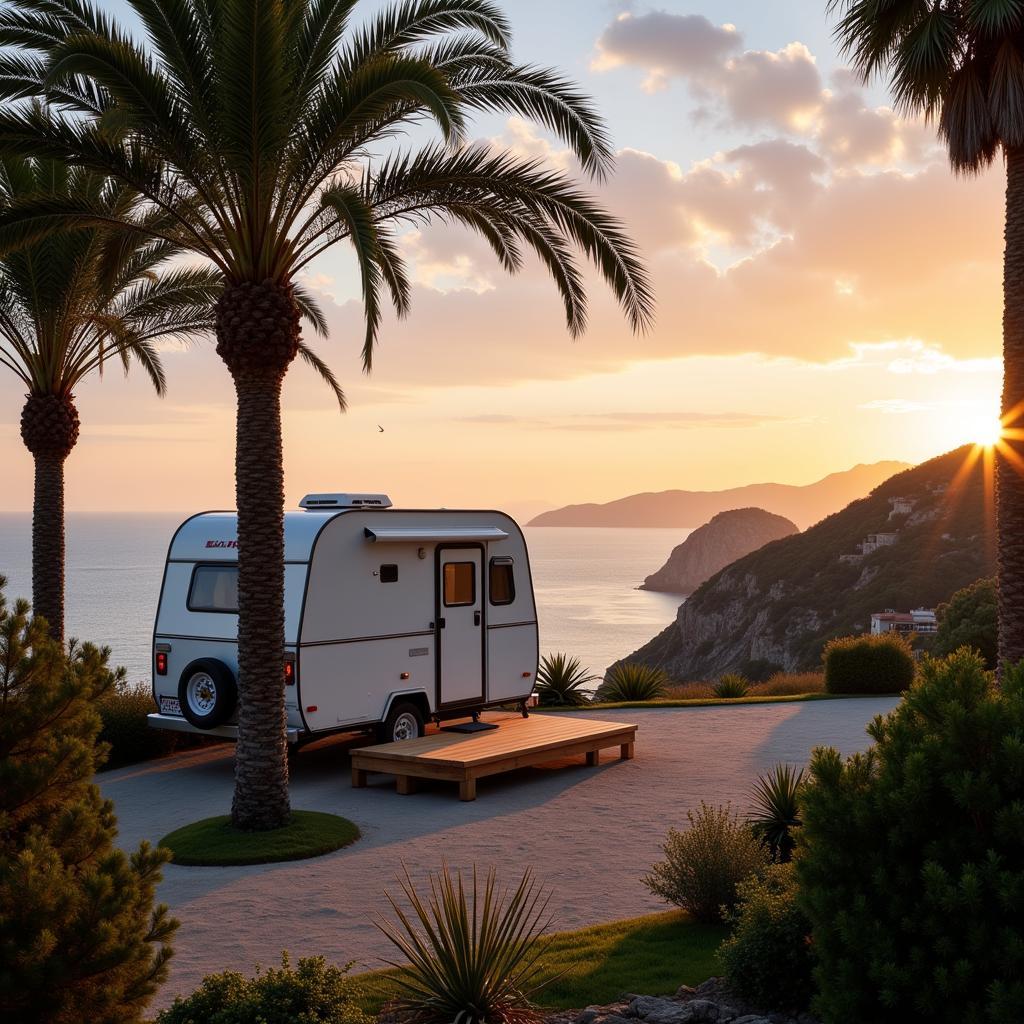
(48, 543)
(49, 428)
(1010, 454)
(257, 336)
(261, 763)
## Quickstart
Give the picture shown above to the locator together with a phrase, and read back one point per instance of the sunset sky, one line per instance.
(828, 294)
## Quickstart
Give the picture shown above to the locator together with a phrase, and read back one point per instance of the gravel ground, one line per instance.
(589, 833)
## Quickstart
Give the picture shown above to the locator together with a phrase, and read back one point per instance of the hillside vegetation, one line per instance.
(784, 601)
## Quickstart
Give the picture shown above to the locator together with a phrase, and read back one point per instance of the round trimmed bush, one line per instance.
(882, 663)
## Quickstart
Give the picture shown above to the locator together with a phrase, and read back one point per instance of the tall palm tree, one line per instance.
(267, 130)
(69, 302)
(960, 63)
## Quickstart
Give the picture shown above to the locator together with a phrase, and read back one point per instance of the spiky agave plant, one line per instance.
(775, 813)
(731, 686)
(470, 958)
(629, 681)
(561, 681)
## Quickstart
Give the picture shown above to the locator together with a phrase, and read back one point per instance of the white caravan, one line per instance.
(392, 618)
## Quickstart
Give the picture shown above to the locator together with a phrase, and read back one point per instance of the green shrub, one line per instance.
(731, 685)
(775, 816)
(468, 958)
(632, 681)
(123, 713)
(970, 619)
(314, 992)
(768, 958)
(911, 865)
(561, 681)
(881, 663)
(80, 939)
(704, 864)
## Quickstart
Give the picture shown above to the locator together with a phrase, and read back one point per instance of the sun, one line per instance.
(987, 431)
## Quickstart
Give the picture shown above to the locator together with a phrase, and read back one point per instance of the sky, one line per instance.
(828, 293)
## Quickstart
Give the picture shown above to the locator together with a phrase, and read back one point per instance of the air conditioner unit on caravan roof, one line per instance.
(315, 502)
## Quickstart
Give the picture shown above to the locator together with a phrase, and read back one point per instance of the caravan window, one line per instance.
(214, 589)
(459, 584)
(502, 584)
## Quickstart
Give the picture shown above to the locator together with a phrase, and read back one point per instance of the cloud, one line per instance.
(666, 45)
(781, 88)
(629, 421)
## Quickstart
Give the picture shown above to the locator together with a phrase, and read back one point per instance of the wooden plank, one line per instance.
(358, 778)
(405, 784)
(467, 789)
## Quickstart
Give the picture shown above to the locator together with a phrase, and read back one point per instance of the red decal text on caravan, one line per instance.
(222, 543)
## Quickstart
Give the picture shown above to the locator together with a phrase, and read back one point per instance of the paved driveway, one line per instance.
(589, 833)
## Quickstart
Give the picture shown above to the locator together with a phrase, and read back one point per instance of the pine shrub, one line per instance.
(80, 939)
(313, 992)
(880, 663)
(705, 863)
(768, 957)
(912, 862)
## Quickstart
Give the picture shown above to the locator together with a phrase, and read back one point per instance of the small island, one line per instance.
(726, 537)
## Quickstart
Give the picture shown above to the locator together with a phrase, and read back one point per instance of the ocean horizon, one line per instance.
(585, 581)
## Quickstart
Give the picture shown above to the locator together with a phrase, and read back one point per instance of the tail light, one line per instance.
(161, 663)
(289, 673)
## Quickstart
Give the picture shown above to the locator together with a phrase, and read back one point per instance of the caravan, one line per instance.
(392, 618)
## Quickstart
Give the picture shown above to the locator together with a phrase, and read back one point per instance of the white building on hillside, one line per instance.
(920, 620)
(875, 541)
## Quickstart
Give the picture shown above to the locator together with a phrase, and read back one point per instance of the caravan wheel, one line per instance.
(207, 693)
(404, 722)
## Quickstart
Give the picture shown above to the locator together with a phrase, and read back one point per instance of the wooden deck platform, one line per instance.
(516, 743)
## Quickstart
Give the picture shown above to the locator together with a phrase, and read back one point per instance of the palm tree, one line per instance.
(69, 302)
(267, 131)
(960, 63)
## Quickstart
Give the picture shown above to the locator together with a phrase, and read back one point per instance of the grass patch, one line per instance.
(654, 954)
(705, 702)
(213, 842)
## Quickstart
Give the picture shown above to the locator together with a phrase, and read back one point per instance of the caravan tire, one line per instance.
(405, 721)
(207, 693)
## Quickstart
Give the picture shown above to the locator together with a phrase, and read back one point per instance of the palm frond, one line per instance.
(310, 358)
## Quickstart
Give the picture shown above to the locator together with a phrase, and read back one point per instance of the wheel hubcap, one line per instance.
(406, 727)
(201, 694)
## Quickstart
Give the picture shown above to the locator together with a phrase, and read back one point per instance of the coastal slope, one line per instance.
(686, 509)
(912, 542)
(728, 536)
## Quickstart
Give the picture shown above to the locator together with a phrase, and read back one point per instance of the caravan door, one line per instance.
(460, 626)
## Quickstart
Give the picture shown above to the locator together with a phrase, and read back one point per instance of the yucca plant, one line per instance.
(775, 815)
(470, 957)
(561, 681)
(731, 685)
(629, 681)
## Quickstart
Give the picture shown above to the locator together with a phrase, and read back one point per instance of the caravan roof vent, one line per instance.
(315, 502)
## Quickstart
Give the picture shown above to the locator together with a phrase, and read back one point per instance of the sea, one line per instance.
(585, 581)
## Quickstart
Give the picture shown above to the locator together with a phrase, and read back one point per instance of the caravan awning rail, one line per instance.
(427, 535)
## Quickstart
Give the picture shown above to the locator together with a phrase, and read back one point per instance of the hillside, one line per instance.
(686, 509)
(729, 535)
(785, 600)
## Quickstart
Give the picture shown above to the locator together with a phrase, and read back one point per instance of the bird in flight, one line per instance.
(380, 428)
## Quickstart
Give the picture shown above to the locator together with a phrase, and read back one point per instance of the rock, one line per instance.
(718, 543)
(752, 1018)
(589, 1014)
(656, 1010)
(704, 1010)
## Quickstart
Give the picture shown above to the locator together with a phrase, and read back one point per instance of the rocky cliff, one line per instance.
(729, 536)
(915, 540)
(686, 509)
